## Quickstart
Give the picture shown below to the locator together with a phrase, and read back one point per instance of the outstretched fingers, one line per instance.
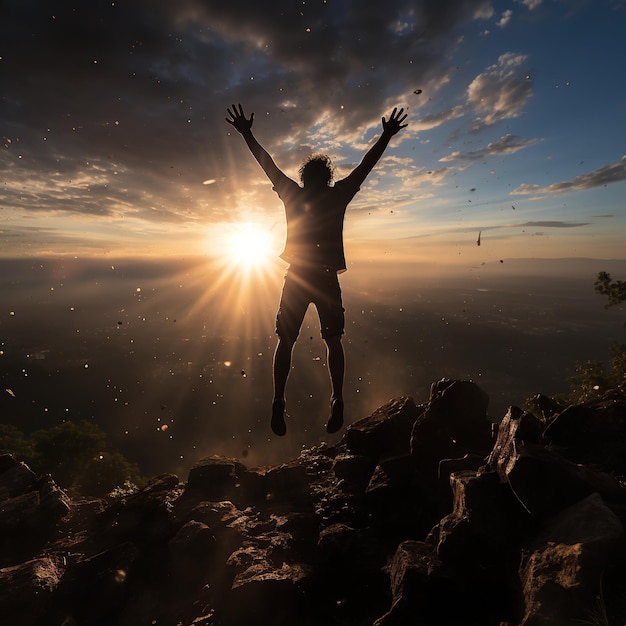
(399, 117)
(234, 114)
(237, 118)
(396, 120)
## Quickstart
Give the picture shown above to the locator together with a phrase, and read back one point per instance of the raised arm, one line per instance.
(243, 126)
(390, 127)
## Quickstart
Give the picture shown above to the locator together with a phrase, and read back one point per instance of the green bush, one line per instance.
(592, 379)
(76, 455)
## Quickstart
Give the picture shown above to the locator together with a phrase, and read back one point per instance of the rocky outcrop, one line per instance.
(421, 515)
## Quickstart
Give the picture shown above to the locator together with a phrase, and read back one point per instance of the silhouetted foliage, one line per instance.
(615, 290)
(75, 454)
(13, 440)
(592, 379)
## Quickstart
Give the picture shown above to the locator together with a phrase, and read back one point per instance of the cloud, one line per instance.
(500, 92)
(603, 176)
(552, 224)
(434, 120)
(507, 144)
(140, 90)
(505, 18)
(531, 4)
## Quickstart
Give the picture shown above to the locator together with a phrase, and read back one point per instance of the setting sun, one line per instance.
(248, 245)
(244, 245)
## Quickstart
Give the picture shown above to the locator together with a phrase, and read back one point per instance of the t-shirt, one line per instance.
(315, 223)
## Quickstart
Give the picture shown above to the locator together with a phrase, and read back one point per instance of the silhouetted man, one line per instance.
(314, 251)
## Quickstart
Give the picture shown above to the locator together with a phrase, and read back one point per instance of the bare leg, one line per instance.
(282, 366)
(336, 365)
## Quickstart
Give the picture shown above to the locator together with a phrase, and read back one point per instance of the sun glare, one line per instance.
(246, 246)
(249, 245)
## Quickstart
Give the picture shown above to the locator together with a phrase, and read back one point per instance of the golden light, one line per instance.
(249, 245)
(243, 246)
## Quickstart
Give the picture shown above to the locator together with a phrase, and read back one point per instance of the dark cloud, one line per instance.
(508, 144)
(140, 88)
(553, 224)
(614, 173)
(437, 119)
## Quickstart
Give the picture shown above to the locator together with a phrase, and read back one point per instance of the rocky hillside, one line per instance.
(420, 515)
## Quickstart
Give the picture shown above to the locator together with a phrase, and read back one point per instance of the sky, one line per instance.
(114, 140)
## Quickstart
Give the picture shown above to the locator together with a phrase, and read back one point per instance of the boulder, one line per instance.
(355, 469)
(563, 566)
(15, 477)
(545, 482)
(386, 432)
(516, 425)
(27, 590)
(593, 432)
(417, 516)
(485, 522)
(454, 423)
(267, 589)
(422, 586)
(216, 476)
(191, 549)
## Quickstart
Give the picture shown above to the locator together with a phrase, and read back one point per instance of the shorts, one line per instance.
(303, 287)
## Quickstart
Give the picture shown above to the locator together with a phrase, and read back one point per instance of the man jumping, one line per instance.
(314, 251)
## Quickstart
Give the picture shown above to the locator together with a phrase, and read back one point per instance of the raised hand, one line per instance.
(394, 124)
(238, 119)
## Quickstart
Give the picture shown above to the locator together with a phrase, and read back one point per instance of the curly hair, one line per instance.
(317, 166)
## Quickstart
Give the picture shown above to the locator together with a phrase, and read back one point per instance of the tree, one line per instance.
(76, 455)
(592, 378)
(13, 441)
(615, 290)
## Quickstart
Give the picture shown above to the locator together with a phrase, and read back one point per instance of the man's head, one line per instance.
(317, 171)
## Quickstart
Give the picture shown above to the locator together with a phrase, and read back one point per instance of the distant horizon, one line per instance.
(133, 344)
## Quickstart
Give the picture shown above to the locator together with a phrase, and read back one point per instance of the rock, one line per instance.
(516, 425)
(55, 503)
(454, 424)
(216, 477)
(563, 566)
(265, 590)
(355, 469)
(28, 518)
(400, 499)
(15, 511)
(386, 432)
(15, 477)
(545, 406)
(191, 550)
(485, 520)
(593, 432)
(98, 584)
(544, 482)
(468, 462)
(145, 516)
(27, 589)
(417, 516)
(422, 587)
(286, 483)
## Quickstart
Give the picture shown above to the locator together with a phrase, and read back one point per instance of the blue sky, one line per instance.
(114, 140)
